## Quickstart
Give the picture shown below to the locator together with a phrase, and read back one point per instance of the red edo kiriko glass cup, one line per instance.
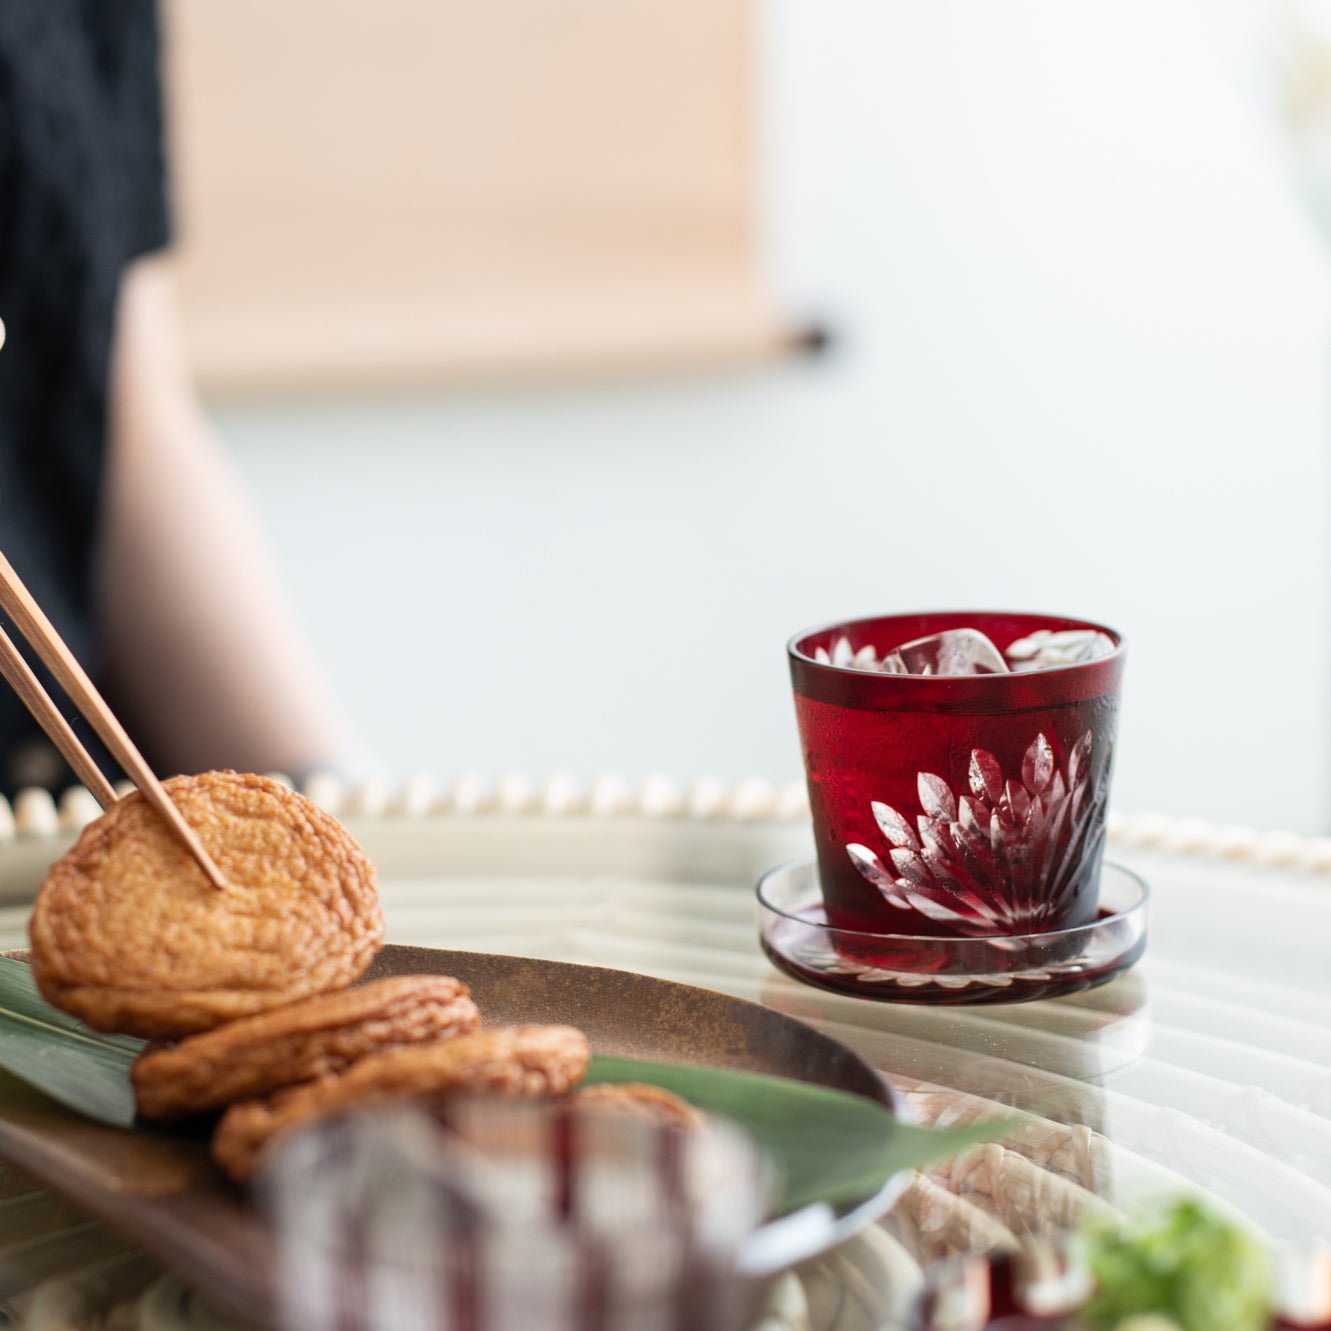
(966, 806)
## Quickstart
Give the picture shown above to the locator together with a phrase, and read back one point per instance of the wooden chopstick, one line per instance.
(38, 631)
(25, 683)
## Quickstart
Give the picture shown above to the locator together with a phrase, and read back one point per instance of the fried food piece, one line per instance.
(303, 1041)
(528, 1061)
(128, 935)
(638, 1100)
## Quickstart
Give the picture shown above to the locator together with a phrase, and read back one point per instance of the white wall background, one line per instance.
(1084, 368)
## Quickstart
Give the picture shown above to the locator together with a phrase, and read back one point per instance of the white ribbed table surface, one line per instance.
(1207, 1069)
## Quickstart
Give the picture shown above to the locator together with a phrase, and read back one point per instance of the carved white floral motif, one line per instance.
(826, 960)
(1004, 858)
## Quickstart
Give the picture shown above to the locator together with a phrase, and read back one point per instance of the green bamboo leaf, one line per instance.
(59, 1056)
(829, 1146)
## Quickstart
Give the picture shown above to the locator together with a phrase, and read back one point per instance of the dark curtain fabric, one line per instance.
(82, 192)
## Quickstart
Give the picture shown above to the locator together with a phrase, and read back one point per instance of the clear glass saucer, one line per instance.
(909, 968)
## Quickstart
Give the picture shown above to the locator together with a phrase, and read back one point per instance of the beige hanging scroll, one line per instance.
(380, 192)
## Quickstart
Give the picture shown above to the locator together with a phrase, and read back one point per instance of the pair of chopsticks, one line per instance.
(40, 634)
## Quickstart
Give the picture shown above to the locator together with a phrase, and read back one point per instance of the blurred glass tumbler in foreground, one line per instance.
(958, 767)
(499, 1215)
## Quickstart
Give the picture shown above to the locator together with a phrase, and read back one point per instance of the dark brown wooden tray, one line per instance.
(163, 1192)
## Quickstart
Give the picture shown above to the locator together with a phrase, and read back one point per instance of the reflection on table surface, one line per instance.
(1207, 1069)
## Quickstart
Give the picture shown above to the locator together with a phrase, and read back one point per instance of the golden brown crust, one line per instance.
(312, 1038)
(638, 1100)
(129, 936)
(529, 1061)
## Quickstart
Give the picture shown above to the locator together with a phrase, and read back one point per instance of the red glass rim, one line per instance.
(1016, 691)
(954, 619)
(933, 940)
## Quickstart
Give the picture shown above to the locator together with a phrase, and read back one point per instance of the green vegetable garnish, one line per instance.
(1185, 1264)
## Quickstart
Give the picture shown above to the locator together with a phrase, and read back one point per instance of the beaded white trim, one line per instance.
(35, 815)
(1230, 841)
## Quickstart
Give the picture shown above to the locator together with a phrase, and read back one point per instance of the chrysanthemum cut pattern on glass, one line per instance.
(1006, 856)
